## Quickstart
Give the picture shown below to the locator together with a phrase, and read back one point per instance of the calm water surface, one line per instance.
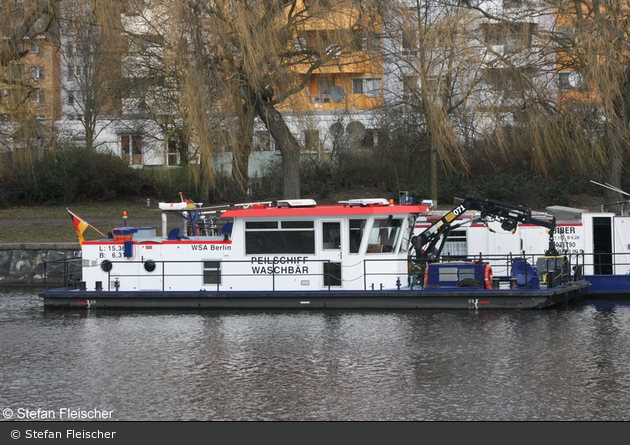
(560, 364)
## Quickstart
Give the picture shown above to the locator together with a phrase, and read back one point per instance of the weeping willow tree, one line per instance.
(592, 40)
(482, 74)
(29, 30)
(237, 62)
(438, 68)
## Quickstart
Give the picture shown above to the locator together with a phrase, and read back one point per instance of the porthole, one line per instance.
(106, 265)
(149, 265)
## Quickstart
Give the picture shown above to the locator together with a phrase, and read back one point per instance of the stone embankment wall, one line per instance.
(23, 264)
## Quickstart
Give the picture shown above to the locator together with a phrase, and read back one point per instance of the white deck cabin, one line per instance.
(291, 245)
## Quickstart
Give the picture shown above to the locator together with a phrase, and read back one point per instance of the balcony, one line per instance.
(319, 98)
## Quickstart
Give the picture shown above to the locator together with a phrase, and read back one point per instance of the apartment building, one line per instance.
(343, 100)
(30, 93)
(99, 108)
(339, 103)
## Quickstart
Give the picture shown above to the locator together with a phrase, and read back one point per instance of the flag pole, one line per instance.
(89, 225)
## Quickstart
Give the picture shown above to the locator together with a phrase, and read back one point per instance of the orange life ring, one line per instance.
(487, 276)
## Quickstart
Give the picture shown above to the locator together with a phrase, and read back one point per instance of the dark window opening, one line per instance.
(211, 272)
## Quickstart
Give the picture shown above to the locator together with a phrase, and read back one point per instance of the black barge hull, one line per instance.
(428, 298)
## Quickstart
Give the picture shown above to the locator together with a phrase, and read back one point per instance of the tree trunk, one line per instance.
(433, 181)
(241, 150)
(288, 146)
(616, 146)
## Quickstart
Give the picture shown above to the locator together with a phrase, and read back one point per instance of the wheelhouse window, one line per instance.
(357, 228)
(406, 235)
(279, 237)
(331, 236)
(384, 235)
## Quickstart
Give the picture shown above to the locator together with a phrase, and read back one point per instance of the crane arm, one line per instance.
(430, 242)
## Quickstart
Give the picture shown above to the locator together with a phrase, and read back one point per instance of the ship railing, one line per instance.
(606, 263)
(66, 271)
(547, 270)
(269, 274)
(376, 274)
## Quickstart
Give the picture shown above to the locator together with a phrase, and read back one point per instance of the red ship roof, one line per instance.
(323, 210)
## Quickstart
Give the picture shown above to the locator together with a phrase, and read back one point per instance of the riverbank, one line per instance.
(22, 264)
(44, 224)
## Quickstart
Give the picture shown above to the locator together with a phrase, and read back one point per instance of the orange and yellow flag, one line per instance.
(79, 226)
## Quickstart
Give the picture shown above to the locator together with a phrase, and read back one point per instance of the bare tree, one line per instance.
(91, 53)
(246, 59)
(439, 65)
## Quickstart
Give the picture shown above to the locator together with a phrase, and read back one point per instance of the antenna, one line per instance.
(611, 187)
(337, 93)
(356, 129)
(336, 129)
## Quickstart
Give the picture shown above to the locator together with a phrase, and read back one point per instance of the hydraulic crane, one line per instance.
(427, 246)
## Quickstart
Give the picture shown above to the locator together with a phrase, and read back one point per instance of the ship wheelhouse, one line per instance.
(287, 245)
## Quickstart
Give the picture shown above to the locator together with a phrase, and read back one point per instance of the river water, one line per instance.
(558, 364)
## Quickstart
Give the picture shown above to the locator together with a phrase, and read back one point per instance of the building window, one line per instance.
(409, 34)
(38, 97)
(370, 86)
(324, 86)
(311, 140)
(300, 44)
(514, 37)
(173, 154)
(39, 25)
(131, 149)
(37, 72)
(263, 141)
(17, 71)
(370, 139)
(570, 80)
(372, 43)
(565, 32)
(410, 86)
(35, 48)
(75, 97)
(563, 82)
(76, 72)
(70, 49)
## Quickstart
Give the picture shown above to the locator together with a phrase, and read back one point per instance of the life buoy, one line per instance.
(487, 276)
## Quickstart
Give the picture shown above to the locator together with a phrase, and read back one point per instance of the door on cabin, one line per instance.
(331, 253)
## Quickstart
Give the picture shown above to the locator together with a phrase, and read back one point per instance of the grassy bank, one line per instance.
(36, 224)
(45, 224)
